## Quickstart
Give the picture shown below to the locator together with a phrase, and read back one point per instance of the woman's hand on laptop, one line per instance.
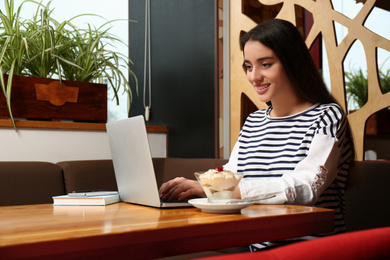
(180, 189)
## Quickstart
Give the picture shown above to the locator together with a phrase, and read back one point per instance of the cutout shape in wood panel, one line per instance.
(341, 32)
(384, 70)
(355, 72)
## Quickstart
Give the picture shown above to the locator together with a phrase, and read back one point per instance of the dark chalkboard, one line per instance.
(183, 76)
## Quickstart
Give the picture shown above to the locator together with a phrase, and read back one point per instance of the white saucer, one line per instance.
(207, 207)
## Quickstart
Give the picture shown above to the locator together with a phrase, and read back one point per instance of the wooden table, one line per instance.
(125, 231)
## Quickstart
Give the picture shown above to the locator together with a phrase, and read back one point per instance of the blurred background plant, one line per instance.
(357, 87)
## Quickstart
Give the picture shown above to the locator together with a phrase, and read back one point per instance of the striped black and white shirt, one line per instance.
(302, 159)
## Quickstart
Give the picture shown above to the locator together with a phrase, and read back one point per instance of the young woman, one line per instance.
(299, 148)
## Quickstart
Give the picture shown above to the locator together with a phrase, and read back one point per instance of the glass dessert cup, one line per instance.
(218, 185)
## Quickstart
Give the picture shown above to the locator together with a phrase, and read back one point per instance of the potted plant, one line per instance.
(357, 94)
(357, 86)
(58, 56)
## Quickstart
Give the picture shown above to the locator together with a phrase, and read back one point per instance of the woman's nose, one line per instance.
(254, 75)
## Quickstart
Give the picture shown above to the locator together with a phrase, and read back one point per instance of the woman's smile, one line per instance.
(261, 88)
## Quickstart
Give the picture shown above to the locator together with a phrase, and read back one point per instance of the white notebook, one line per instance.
(66, 200)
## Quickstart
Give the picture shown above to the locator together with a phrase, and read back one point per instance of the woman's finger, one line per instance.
(171, 189)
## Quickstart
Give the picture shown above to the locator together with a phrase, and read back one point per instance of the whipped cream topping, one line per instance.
(218, 183)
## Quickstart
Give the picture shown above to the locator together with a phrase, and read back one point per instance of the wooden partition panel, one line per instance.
(324, 17)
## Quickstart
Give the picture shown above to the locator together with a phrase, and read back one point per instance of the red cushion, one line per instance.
(366, 244)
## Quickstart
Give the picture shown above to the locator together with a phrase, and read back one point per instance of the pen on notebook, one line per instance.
(87, 193)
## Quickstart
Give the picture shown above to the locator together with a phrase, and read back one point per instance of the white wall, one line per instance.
(62, 145)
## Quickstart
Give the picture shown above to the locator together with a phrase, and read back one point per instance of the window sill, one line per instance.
(69, 125)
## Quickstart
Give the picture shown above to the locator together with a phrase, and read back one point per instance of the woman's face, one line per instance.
(266, 73)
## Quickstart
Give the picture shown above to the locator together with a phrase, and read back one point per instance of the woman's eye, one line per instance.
(266, 65)
(247, 67)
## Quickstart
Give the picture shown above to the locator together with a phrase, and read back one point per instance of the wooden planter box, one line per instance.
(45, 99)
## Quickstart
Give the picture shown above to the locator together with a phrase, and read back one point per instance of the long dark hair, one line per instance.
(284, 39)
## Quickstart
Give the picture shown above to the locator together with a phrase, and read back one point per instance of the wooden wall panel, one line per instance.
(324, 17)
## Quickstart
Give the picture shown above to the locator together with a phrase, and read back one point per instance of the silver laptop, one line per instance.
(133, 163)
